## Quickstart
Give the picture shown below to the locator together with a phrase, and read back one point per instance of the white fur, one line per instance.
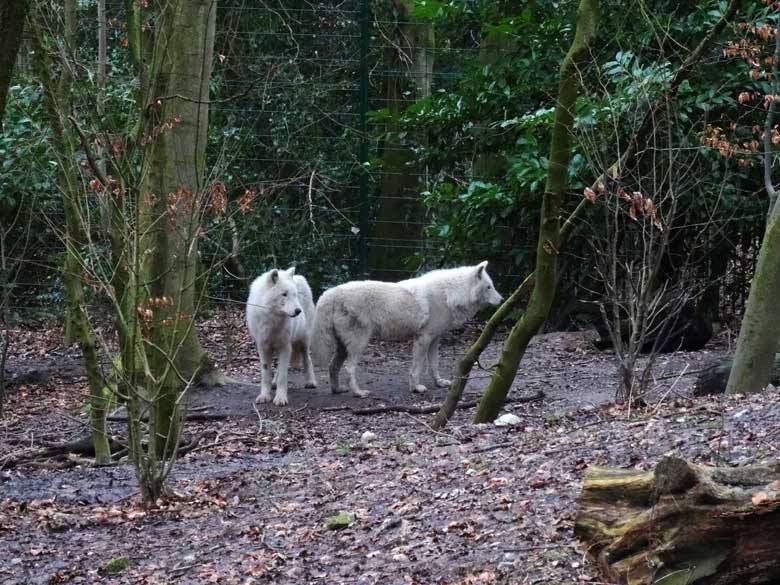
(279, 315)
(422, 309)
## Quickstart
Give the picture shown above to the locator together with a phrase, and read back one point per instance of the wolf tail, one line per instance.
(323, 337)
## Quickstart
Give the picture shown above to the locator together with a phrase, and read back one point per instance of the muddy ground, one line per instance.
(472, 504)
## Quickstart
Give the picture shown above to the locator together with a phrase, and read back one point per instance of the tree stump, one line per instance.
(682, 524)
(713, 378)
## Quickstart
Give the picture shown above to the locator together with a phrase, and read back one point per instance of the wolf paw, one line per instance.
(443, 382)
(310, 385)
(263, 397)
(420, 388)
(361, 393)
(281, 400)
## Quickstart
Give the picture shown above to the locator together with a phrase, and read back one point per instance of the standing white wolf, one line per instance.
(280, 314)
(422, 309)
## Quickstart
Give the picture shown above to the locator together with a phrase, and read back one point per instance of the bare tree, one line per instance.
(56, 92)
(153, 185)
(644, 255)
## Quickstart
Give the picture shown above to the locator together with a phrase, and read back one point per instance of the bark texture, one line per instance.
(174, 132)
(549, 220)
(759, 335)
(682, 524)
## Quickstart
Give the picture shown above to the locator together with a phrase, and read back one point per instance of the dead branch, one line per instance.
(428, 409)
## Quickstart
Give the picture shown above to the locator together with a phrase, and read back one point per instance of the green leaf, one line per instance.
(341, 520)
(426, 10)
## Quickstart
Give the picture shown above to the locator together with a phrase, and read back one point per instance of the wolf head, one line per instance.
(482, 289)
(281, 295)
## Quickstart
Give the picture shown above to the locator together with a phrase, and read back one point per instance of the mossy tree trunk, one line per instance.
(545, 273)
(56, 96)
(174, 130)
(12, 16)
(398, 216)
(682, 524)
(759, 334)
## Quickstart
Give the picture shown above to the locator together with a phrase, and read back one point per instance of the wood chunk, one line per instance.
(682, 524)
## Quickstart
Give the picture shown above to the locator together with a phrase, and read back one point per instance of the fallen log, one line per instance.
(82, 448)
(192, 414)
(713, 378)
(682, 524)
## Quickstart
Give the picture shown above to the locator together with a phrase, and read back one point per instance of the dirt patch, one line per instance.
(563, 365)
(473, 504)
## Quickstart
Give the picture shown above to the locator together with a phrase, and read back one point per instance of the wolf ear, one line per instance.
(290, 271)
(481, 268)
(274, 276)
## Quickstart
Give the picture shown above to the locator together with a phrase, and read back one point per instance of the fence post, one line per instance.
(365, 26)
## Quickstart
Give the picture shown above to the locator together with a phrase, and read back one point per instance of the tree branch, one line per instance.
(88, 153)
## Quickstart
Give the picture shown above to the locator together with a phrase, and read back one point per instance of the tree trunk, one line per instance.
(56, 96)
(397, 226)
(759, 334)
(549, 220)
(682, 524)
(12, 16)
(175, 123)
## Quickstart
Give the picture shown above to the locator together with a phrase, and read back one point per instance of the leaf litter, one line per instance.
(294, 495)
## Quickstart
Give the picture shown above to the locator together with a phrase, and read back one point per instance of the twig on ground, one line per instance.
(196, 416)
(441, 433)
(428, 409)
(670, 390)
(493, 447)
(540, 546)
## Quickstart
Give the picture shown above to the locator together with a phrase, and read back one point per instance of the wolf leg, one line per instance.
(419, 358)
(335, 367)
(308, 367)
(433, 363)
(355, 349)
(266, 359)
(351, 367)
(299, 350)
(281, 376)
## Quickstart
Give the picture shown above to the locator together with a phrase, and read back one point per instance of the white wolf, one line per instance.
(279, 315)
(421, 308)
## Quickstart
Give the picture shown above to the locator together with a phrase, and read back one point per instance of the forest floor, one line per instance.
(472, 504)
